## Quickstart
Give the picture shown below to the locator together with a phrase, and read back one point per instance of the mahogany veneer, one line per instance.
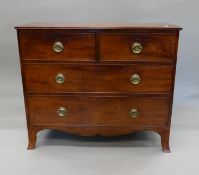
(38, 45)
(98, 79)
(98, 110)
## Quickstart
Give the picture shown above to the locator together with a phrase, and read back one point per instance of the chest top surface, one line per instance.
(63, 25)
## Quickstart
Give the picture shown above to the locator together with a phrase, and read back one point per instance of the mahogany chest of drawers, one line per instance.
(98, 79)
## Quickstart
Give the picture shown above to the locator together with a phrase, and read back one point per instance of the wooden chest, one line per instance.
(98, 79)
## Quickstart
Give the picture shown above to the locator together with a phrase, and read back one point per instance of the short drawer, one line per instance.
(64, 78)
(57, 45)
(102, 111)
(137, 47)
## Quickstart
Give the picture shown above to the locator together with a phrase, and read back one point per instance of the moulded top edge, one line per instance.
(105, 26)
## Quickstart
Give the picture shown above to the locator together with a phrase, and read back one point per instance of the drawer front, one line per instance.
(79, 110)
(58, 45)
(42, 78)
(137, 47)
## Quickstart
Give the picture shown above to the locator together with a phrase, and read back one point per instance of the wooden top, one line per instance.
(52, 25)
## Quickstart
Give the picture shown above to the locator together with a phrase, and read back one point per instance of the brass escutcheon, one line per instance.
(58, 46)
(135, 79)
(136, 47)
(61, 112)
(60, 78)
(134, 113)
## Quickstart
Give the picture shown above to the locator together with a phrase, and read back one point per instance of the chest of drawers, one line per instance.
(98, 79)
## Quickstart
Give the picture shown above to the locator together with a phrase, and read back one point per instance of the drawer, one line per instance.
(59, 78)
(93, 110)
(57, 45)
(137, 47)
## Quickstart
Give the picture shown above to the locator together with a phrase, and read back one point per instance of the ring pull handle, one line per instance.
(136, 47)
(58, 46)
(62, 112)
(134, 113)
(135, 79)
(60, 78)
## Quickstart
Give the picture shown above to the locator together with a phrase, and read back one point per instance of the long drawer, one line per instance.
(60, 78)
(98, 110)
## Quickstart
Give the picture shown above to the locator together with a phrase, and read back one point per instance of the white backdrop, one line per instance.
(131, 154)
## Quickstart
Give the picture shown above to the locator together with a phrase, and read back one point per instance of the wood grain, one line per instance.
(38, 45)
(98, 111)
(117, 46)
(40, 78)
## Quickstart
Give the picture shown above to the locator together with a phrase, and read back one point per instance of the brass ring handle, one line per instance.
(60, 78)
(135, 79)
(58, 46)
(61, 112)
(136, 47)
(134, 113)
